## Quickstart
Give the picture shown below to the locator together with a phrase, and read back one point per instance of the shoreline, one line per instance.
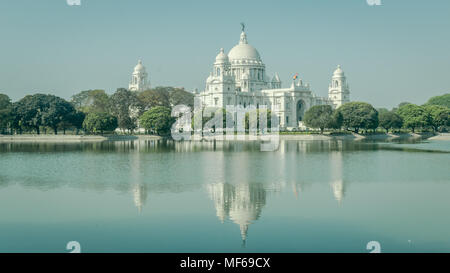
(310, 137)
(73, 138)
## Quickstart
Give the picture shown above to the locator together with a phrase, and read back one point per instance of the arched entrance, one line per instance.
(300, 110)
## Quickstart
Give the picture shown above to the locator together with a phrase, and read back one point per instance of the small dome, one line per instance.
(139, 67)
(221, 57)
(338, 72)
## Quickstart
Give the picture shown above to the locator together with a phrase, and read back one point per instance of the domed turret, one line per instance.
(339, 91)
(139, 78)
(221, 57)
(338, 72)
(139, 67)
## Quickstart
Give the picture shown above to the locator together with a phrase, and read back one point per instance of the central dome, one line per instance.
(243, 50)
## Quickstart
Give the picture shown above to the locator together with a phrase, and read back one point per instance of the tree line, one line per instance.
(355, 116)
(90, 111)
(96, 112)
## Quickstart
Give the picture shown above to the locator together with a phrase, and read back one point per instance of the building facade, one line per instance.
(239, 78)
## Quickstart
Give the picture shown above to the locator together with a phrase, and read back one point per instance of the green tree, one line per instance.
(319, 116)
(390, 120)
(336, 120)
(34, 111)
(57, 113)
(413, 116)
(6, 109)
(99, 123)
(157, 120)
(443, 100)
(91, 101)
(124, 105)
(439, 116)
(153, 97)
(400, 105)
(179, 96)
(358, 115)
(74, 120)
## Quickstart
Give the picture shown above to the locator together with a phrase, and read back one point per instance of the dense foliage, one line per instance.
(5, 113)
(321, 116)
(443, 100)
(389, 120)
(97, 122)
(413, 116)
(358, 115)
(157, 120)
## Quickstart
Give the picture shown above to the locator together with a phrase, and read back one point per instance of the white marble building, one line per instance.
(239, 78)
(139, 78)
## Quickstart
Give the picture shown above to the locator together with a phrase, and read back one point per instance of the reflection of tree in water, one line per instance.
(241, 203)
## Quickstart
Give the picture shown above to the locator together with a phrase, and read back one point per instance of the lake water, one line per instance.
(163, 196)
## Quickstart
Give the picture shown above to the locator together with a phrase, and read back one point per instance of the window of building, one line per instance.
(216, 101)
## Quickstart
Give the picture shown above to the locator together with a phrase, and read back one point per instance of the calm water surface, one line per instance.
(163, 196)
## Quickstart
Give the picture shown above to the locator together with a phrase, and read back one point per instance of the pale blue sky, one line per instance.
(391, 53)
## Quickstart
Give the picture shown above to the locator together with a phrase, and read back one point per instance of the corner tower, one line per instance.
(139, 78)
(339, 91)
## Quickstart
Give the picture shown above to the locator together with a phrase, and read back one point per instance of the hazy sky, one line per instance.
(391, 53)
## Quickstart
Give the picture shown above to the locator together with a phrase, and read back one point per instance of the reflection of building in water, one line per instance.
(139, 188)
(140, 195)
(241, 203)
(337, 182)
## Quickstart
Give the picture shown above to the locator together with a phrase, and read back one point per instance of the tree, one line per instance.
(358, 115)
(5, 113)
(157, 120)
(319, 116)
(382, 110)
(413, 116)
(443, 100)
(99, 123)
(124, 105)
(390, 120)
(179, 96)
(439, 116)
(153, 97)
(57, 113)
(91, 101)
(34, 111)
(75, 120)
(400, 105)
(336, 120)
